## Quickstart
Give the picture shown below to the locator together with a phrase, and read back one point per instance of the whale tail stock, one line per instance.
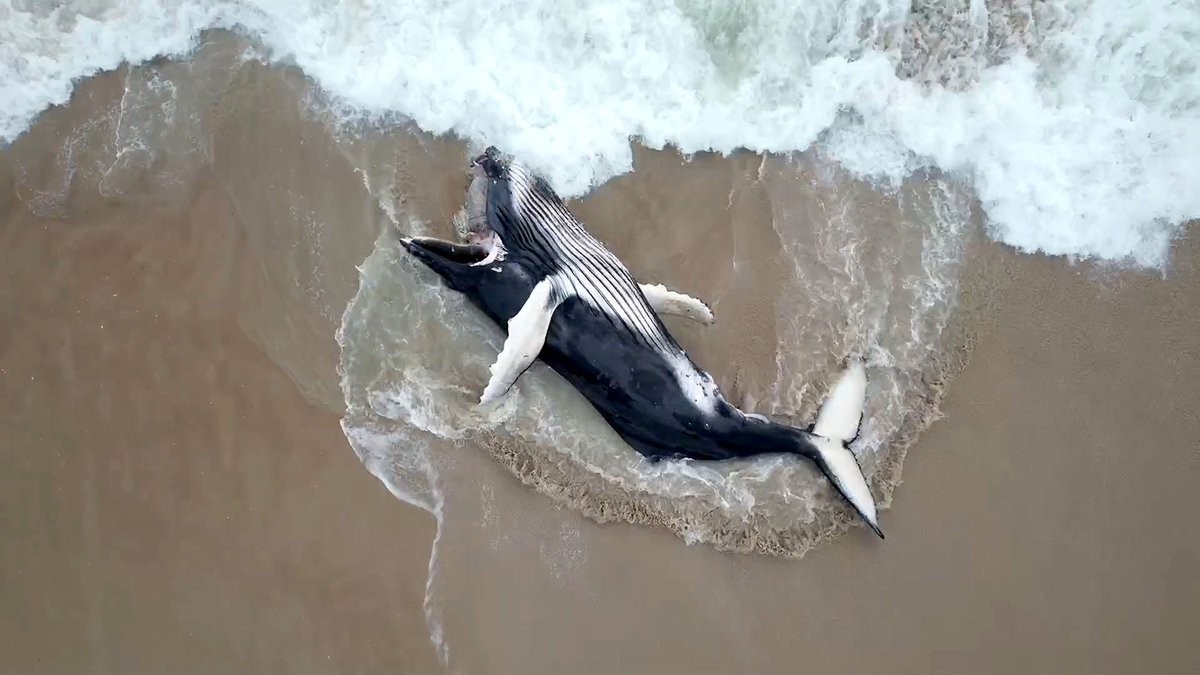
(836, 426)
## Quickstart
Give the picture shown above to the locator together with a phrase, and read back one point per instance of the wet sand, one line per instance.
(171, 502)
(180, 496)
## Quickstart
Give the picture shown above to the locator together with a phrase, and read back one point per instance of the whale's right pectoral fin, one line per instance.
(526, 336)
(666, 301)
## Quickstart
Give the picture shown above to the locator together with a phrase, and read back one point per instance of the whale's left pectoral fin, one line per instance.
(666, 301)
(526, 335)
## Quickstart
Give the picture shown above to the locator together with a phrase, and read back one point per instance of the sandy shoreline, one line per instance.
(180, 501)
(172, 503)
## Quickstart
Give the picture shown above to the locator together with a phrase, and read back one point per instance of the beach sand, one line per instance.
(171, 502)
(180, 497)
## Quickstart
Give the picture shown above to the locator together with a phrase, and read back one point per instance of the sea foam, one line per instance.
(1076, 123)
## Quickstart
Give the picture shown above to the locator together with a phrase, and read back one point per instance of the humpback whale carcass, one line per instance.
(566, 299)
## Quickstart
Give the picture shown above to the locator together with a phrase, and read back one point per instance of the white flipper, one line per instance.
(526, 335)
(842, 410)
(665, 301)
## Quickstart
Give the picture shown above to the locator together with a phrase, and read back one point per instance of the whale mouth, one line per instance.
(463, 254)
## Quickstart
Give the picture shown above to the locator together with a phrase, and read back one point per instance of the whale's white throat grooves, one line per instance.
(585, 268)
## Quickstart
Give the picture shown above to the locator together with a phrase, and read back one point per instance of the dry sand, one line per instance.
(178, 501)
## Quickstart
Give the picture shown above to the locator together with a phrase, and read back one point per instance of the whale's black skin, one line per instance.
(632, 386)
(628, 380)
(636, 376)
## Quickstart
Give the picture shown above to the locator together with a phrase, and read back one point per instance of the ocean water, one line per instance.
(859, 147)
(1074, 123)
(1071, 125)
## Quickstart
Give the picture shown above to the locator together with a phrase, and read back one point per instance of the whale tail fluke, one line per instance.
(837, 425)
